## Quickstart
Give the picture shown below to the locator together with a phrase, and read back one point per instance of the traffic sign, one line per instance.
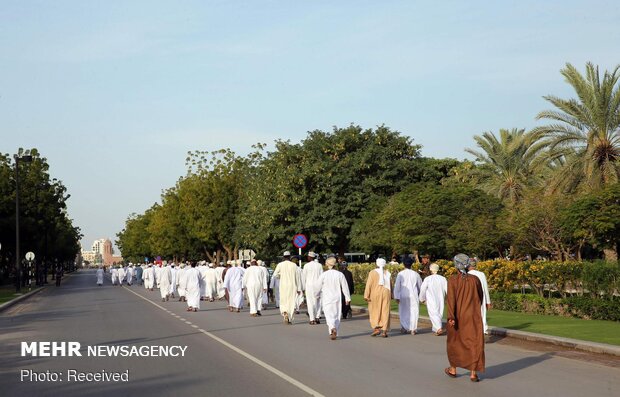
(300, 241)
(30, 256)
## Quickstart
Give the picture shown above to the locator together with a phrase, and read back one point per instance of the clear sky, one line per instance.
(114, 93)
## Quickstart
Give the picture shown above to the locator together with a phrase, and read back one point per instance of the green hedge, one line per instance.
(584, 307)
(596, 279)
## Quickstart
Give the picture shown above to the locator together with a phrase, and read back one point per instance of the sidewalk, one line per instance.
(27, 295)
(20, 298)
(592, 347)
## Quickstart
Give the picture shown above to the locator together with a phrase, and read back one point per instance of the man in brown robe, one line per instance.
(465, 342)
(378, 294)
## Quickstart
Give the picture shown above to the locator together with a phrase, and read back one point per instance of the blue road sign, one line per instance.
(300, 240)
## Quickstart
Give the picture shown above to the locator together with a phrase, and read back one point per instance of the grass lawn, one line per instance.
(590, 330)
(8, 292)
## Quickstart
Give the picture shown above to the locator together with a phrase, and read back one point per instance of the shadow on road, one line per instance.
(497, 371)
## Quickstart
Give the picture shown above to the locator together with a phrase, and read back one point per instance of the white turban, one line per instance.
(381, 264)
(330, 262)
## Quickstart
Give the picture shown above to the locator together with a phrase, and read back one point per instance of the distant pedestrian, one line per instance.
(210, 276)
(59, 271)
(114, 275)
(433, 291)
(255, 284)
(406, 292)
(425, 266)
(165, 279)
(378, 295)
(139, 271)
(465, 344)
(290, 286)
(274, 285)
(121, 275)
(346, 306)
(309, 276)
(129, 275)
(330, 285)
(233, 283)
(148, 276)
(100, 276)
(192, 288)
(486, 297)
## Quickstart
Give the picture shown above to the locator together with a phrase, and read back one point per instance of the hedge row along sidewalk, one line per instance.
(605, 332)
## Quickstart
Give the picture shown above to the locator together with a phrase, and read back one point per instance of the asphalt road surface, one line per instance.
(233, 354)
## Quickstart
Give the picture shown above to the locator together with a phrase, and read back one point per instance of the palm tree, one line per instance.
(586, 130)
(510, 164)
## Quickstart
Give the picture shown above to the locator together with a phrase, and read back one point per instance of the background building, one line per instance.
(101, 253)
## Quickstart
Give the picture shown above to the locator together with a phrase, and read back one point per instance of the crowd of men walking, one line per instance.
(327, 294)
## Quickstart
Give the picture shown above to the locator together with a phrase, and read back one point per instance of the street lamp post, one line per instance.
(27, 158)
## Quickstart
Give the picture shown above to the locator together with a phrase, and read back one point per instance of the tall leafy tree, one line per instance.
(510, 163)
(595, 218)
(586, 129)
(45, 226)
(321, 186)
(134, 240)
(440, 220)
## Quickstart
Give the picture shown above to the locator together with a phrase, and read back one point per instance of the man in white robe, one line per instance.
(182, 282)
(255, 285)
(299, 299)
(406, 293)
(210, 282)
(309, 277)
(114, 275)
(265, 299)
(157, 274)
(121, 275)
(221, 292)
(173, 280)
(486, 297)
(149, 277)
(290, 286)
(165, 277)
(202, 268)
(274, 284)
(129, 275)
(192, 288)
(100, 276)
(433, 291)
(233, 283)
(331, 285)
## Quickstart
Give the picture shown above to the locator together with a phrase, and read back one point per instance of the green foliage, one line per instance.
(509, 165)
(440, 220)
(322, 185)
(595, 218)
(45, 226)
(585, 130)
(601, 279)
(134, 240)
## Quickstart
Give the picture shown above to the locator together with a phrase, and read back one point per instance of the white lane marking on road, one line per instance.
(250, 357)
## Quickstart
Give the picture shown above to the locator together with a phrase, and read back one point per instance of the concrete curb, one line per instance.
(591, 347)
(20, 298)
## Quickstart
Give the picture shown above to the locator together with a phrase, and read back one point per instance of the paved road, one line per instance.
(235, 354)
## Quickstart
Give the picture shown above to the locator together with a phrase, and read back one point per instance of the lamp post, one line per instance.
(27, 158)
